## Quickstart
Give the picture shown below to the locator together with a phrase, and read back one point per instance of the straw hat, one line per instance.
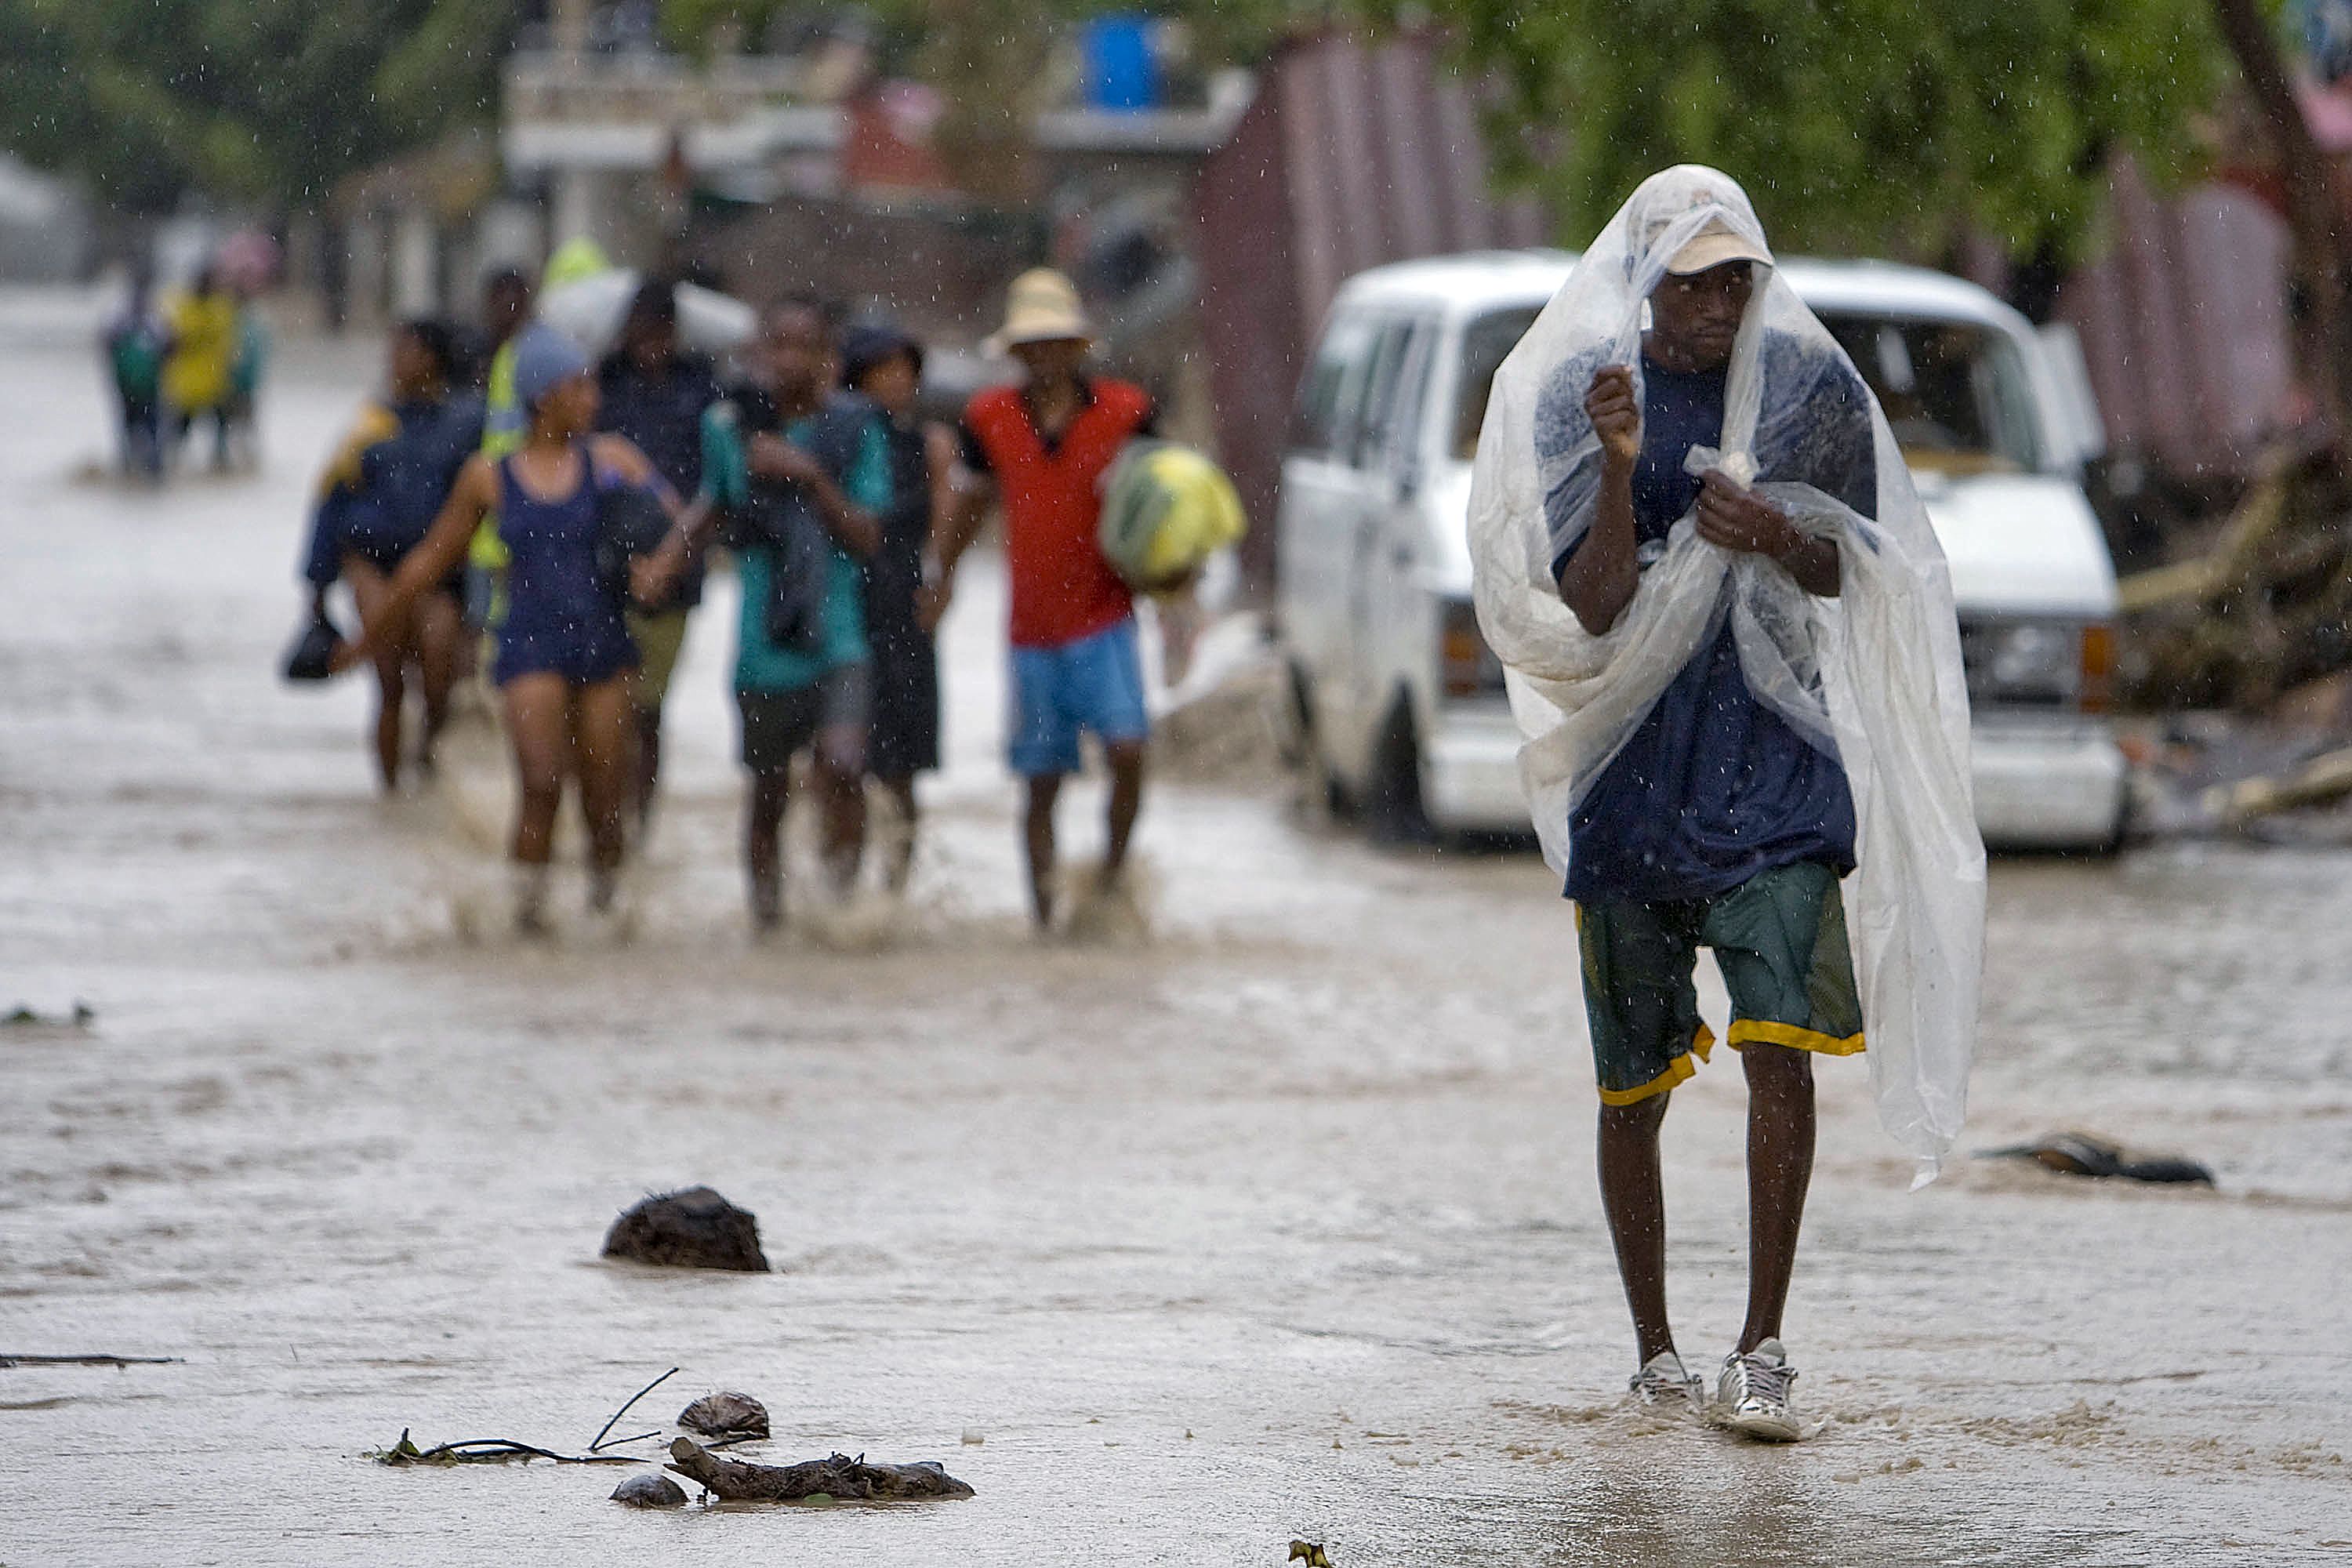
(1041, 307)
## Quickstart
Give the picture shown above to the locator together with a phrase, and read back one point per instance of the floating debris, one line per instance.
(485, 1451)
(838, 1476)
(23, 1018)
(691, 1228)
(650, 1490)
(2081, 1155)
(728, 1415)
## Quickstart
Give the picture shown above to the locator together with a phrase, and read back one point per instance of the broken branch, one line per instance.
(485, 1451)
(596, 1444)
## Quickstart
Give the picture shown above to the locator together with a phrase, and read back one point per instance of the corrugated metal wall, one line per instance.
(1352, 155)
(2184, 323)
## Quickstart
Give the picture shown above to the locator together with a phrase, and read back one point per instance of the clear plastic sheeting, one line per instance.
(1873, 677)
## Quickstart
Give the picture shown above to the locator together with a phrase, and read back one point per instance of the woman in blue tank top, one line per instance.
(565, 663)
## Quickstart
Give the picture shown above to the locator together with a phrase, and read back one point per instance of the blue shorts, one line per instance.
(1095, 683)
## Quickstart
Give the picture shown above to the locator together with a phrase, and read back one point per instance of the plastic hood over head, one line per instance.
(1871, 677)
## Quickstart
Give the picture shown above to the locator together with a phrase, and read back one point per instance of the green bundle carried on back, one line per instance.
(1166, 509)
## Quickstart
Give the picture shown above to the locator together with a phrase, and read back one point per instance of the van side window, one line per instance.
(1408, 412)
(1365, 445)
(1332, 379)
(1485, 344)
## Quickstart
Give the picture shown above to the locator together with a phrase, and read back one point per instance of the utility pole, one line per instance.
(569, 25)
(574, 204)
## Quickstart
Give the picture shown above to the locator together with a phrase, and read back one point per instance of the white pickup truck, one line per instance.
(1401, 702)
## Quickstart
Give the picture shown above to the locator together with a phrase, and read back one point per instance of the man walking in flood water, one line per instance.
(1041, 446)
(1701, 484)
(804, 474)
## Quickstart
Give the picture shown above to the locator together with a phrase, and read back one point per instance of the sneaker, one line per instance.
(1662, 1383)
(1752, 1397)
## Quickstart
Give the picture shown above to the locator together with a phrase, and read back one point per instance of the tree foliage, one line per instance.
(1854, 123)
(269, 101)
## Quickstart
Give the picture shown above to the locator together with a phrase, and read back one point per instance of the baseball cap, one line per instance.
(1714, 245)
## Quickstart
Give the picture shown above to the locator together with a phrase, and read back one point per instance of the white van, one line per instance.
(1401, 703)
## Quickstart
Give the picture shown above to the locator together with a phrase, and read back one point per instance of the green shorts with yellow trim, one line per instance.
(1780, 940)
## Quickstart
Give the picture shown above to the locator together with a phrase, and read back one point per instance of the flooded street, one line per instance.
(1282, 1223)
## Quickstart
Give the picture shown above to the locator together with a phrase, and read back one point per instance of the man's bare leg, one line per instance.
(391, 700)
(1126, 759)
(1037, 834)
(648, 771)
(1633, 1196)
(763, 849)
(901, 788)
(369, 590)
(1780, 1126)
(841, 790)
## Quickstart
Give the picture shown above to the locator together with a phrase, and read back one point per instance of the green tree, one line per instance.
(1857, 124)
(269, 101)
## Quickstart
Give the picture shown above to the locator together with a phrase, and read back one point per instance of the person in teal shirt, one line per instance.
(801, 475)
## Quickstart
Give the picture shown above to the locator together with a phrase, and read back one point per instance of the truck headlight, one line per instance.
(2045, 664)
(1466, 665)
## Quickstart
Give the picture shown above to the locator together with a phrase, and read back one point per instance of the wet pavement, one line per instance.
(1279, 1224)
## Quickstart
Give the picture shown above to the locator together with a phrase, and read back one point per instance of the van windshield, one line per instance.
(1955, 392)
(1485, 344)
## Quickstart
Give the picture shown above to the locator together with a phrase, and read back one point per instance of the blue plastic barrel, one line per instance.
(1122, 71)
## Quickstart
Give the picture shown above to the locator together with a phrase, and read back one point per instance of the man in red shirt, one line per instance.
(1041, 448)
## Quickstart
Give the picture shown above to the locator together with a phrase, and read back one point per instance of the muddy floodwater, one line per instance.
(1280, 1223)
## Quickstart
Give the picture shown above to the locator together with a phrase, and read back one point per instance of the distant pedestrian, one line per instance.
(564, 663)
(1041, 448)
(248, 362)
(799, 474)
(506, 310)
(886, 365)
(377, 501)
(656, 395)
(196, 374)
(137, 344)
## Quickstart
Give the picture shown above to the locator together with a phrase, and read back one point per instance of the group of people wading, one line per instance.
(556, 513)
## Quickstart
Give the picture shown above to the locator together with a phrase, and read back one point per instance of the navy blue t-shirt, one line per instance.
(662, 415)
(1713, 787)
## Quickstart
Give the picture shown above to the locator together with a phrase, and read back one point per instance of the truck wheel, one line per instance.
(1393, 813)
